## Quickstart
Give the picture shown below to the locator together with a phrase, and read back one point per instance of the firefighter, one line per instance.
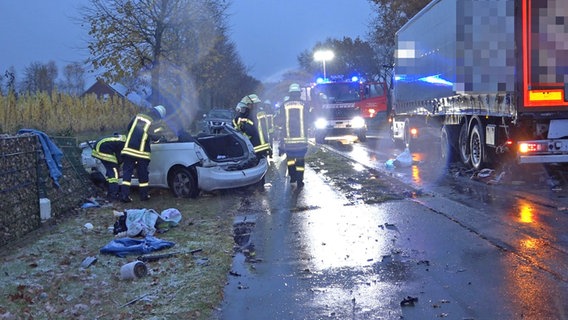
(136, 152)
(270, 122)
(244, 123)
(294, 143)
(263, 127)
(108, 151)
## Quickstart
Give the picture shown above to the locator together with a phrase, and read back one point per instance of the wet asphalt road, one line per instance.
(459, 251)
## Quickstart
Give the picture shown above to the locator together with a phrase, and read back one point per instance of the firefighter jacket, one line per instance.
(108, 149)
(137, 143)
(295, 118)
(263, 124)
(247, 127)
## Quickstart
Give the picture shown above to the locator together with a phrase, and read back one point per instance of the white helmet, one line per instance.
(161, 110)
(241, 106)
(251, 99)
(294, 87)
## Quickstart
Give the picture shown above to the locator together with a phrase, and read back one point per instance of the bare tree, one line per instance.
(39, 77)
(10, 80)
(391, 16)
(162, 38)
(351, 57)
(73, 82)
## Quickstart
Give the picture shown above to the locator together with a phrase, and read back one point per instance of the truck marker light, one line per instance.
(526, 148)
(531, 147)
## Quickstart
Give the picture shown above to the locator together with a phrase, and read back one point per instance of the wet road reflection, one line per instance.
(523, 216)
(337, 234)
(467, 251)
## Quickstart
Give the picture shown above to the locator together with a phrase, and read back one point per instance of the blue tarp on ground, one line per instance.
(125, 246)
(51, 152)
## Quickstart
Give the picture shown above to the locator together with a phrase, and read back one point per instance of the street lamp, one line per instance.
(323, 56)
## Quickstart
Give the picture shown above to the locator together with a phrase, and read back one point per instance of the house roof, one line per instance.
(104, 90)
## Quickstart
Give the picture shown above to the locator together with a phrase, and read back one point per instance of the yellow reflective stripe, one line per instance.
(136, 153)
(145, 136)
(115, 173)
(112, 180)
(143, 184)
(295, 140)
(261, 136)
(261, 147)
(291, 162)
(125, 183)
(104, 156)
(147, 122)
(300, 108)
(299, 168)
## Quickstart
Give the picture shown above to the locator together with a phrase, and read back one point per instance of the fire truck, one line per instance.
(341, 109)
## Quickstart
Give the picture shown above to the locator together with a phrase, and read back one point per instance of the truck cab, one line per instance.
(342, 108)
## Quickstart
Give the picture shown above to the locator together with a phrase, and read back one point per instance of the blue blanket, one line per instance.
(51, 152)
(125, 246)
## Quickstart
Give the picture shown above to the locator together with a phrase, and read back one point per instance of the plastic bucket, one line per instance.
(133, 270)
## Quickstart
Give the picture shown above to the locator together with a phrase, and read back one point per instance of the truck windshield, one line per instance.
(339, 92)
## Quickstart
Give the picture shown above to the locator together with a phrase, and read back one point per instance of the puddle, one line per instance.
(243, 227)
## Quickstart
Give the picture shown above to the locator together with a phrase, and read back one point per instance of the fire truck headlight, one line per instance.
(358, 122)
(320, 123)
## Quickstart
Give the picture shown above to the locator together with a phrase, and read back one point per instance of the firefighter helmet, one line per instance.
(251, 99)
(161, 111)
(241, 107)
(294, 87)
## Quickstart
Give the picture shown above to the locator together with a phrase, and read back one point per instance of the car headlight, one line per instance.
(320, 123)
(358, 122)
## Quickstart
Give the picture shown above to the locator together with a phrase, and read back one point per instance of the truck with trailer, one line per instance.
(342, 109)
(490, 77)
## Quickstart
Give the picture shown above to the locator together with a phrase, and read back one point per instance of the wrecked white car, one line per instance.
(189, 165)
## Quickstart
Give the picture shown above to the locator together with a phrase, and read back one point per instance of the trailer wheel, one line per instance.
(463, 145)
(448, 149)
(477, 147)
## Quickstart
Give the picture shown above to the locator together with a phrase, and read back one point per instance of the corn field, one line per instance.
(61, 114)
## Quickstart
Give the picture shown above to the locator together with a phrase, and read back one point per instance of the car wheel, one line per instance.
(183, 183)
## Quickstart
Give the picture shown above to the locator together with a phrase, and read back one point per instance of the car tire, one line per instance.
(183, 183)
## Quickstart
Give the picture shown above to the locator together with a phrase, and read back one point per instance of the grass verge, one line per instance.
(42, 276)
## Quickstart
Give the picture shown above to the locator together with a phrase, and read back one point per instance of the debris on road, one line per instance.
(408, 301)
(88, 261)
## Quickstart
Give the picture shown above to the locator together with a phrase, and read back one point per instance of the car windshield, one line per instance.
(337, 92)
(220, 113)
